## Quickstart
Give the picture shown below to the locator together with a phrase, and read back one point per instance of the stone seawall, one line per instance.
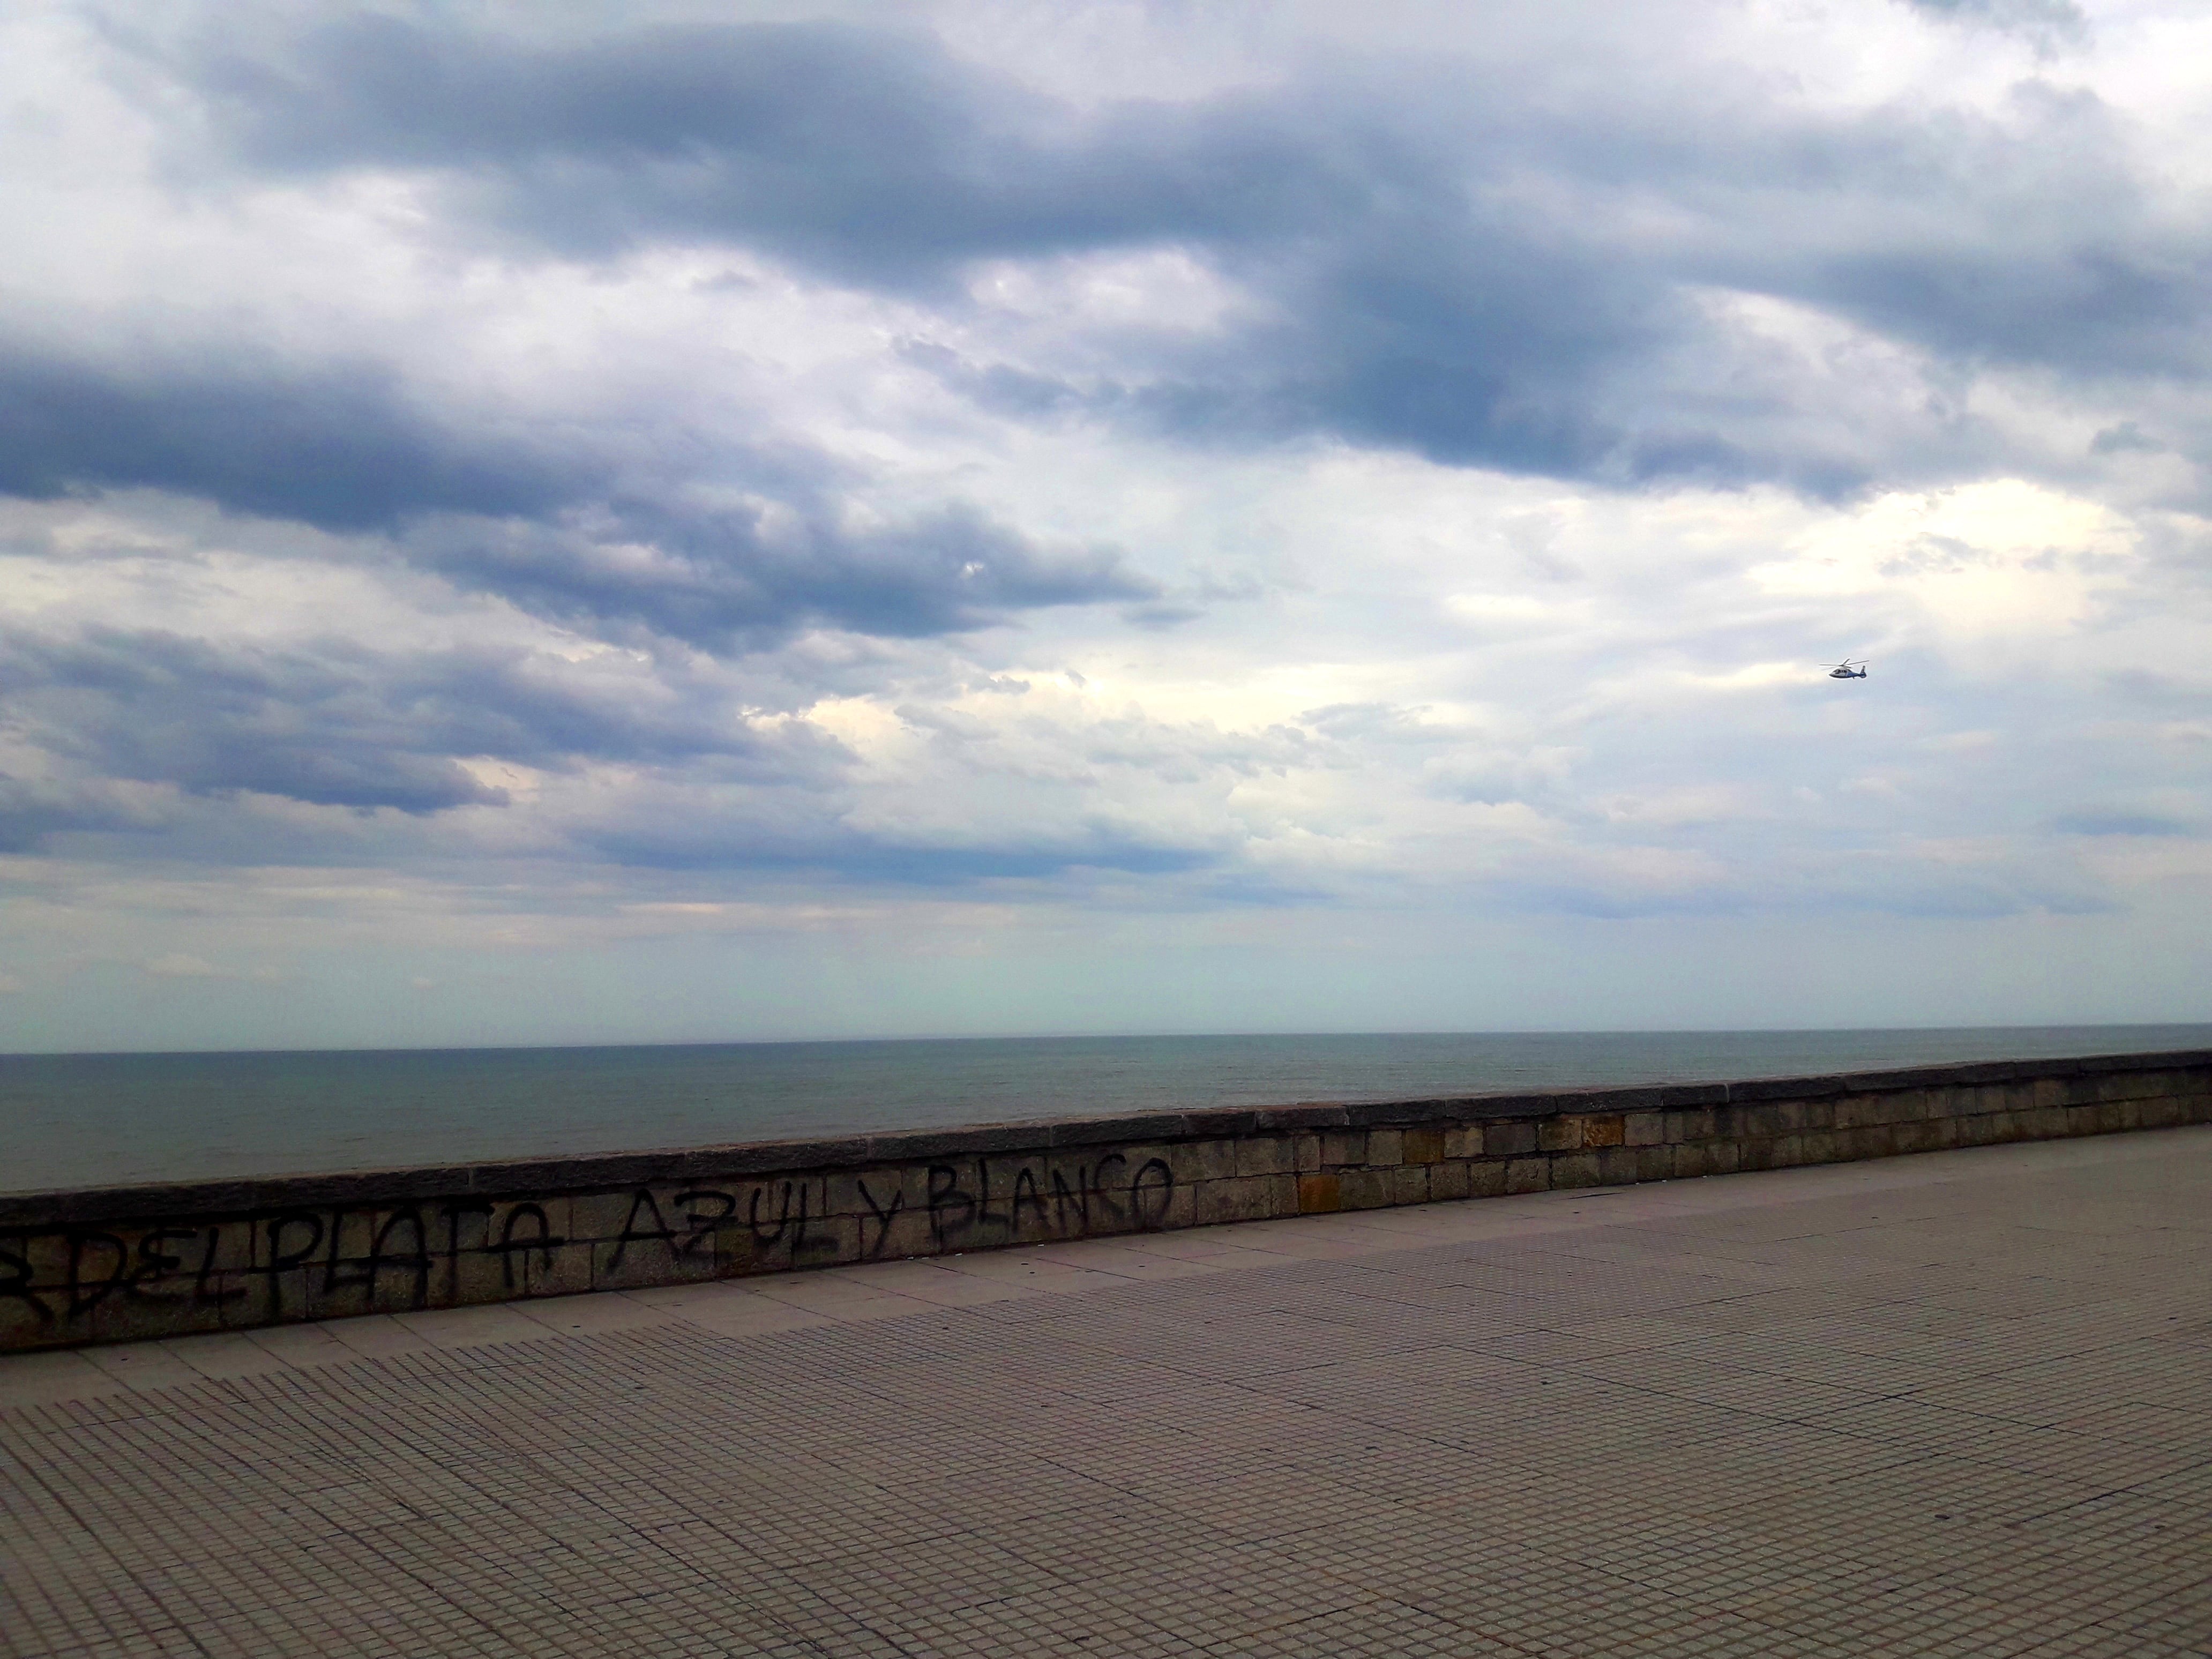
(129, 1263)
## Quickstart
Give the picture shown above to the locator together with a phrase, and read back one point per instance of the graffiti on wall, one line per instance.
(310, 1262)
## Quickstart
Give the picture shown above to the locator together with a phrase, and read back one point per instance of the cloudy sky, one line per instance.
(567, 522)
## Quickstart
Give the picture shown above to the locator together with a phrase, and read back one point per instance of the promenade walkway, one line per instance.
(1959, 1403)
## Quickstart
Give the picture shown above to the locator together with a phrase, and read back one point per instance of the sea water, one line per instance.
(93, 1120)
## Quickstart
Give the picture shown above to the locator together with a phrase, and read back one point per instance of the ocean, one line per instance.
(94, 1119)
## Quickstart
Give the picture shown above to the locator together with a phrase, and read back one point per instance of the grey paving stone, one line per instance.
(1947, 1405)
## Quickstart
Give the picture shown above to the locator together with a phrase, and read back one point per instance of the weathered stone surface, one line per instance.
(1560, 1134)
(1365, 1189)
(1575, 1170)
(1247, 1198)
(1319, 1195)
(1409, 1184)
(1449, 1179)
(1344, 1149)
(1425, 1144)
(1486, 1178)
(1617, 1166)
(1265, 1155)
(1529, 1175)
(1507, 1139)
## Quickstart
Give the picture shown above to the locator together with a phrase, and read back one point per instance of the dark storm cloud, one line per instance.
(870, 153)
(338, 447)
(1464, 267)
(719, 580)
(556, 531)
(32, 810)
(342, 726)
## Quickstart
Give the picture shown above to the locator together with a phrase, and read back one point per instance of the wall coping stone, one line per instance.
(597, 1171)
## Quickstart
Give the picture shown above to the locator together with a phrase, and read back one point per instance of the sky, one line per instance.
(572, 522)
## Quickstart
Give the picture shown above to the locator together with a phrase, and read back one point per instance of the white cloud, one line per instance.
(1310, 662)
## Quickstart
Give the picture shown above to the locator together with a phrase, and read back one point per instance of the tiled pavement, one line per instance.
(1954, 1404)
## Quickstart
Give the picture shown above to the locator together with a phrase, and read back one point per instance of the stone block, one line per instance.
(2134, 1085)
(1574, 1170)
(1424, 1145)
(1692, 1159)
(599, 1215)
(2159, 1113)
(1343, 1149)
(1529, 1175)
(1560, 1134)
(1319, 1194)
(628, 1264)
(1155, 1207)
(1724, 1157)
(1386, 1148)
(1789, 1116)
(496, 1275)
(1654, 1163)
(163, 1263)
(1449, 1179)
(45, 1256)
(1645, 1129)
(1875, 1140)
(1265, 1155)
(1253, 1198)
(1463, 1140)
(1486, 1178)
(872, 1191)
(1914, 1137)
(1204, 1160)
(27, 1321)
(1365, 1189)
(1605, 1129)
(117, 1318)
(1409, 1183)
(1617, 1166)
(1514, 1138)
(905, 1232)
(1309, 1153)
(1697, 1123)
(1821, 1146)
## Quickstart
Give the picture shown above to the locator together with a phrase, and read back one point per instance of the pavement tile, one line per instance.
(1953, 1405)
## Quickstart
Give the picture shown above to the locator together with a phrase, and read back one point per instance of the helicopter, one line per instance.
(1844, 671)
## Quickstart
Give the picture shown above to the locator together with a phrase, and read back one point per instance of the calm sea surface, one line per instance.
(90, 1119)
